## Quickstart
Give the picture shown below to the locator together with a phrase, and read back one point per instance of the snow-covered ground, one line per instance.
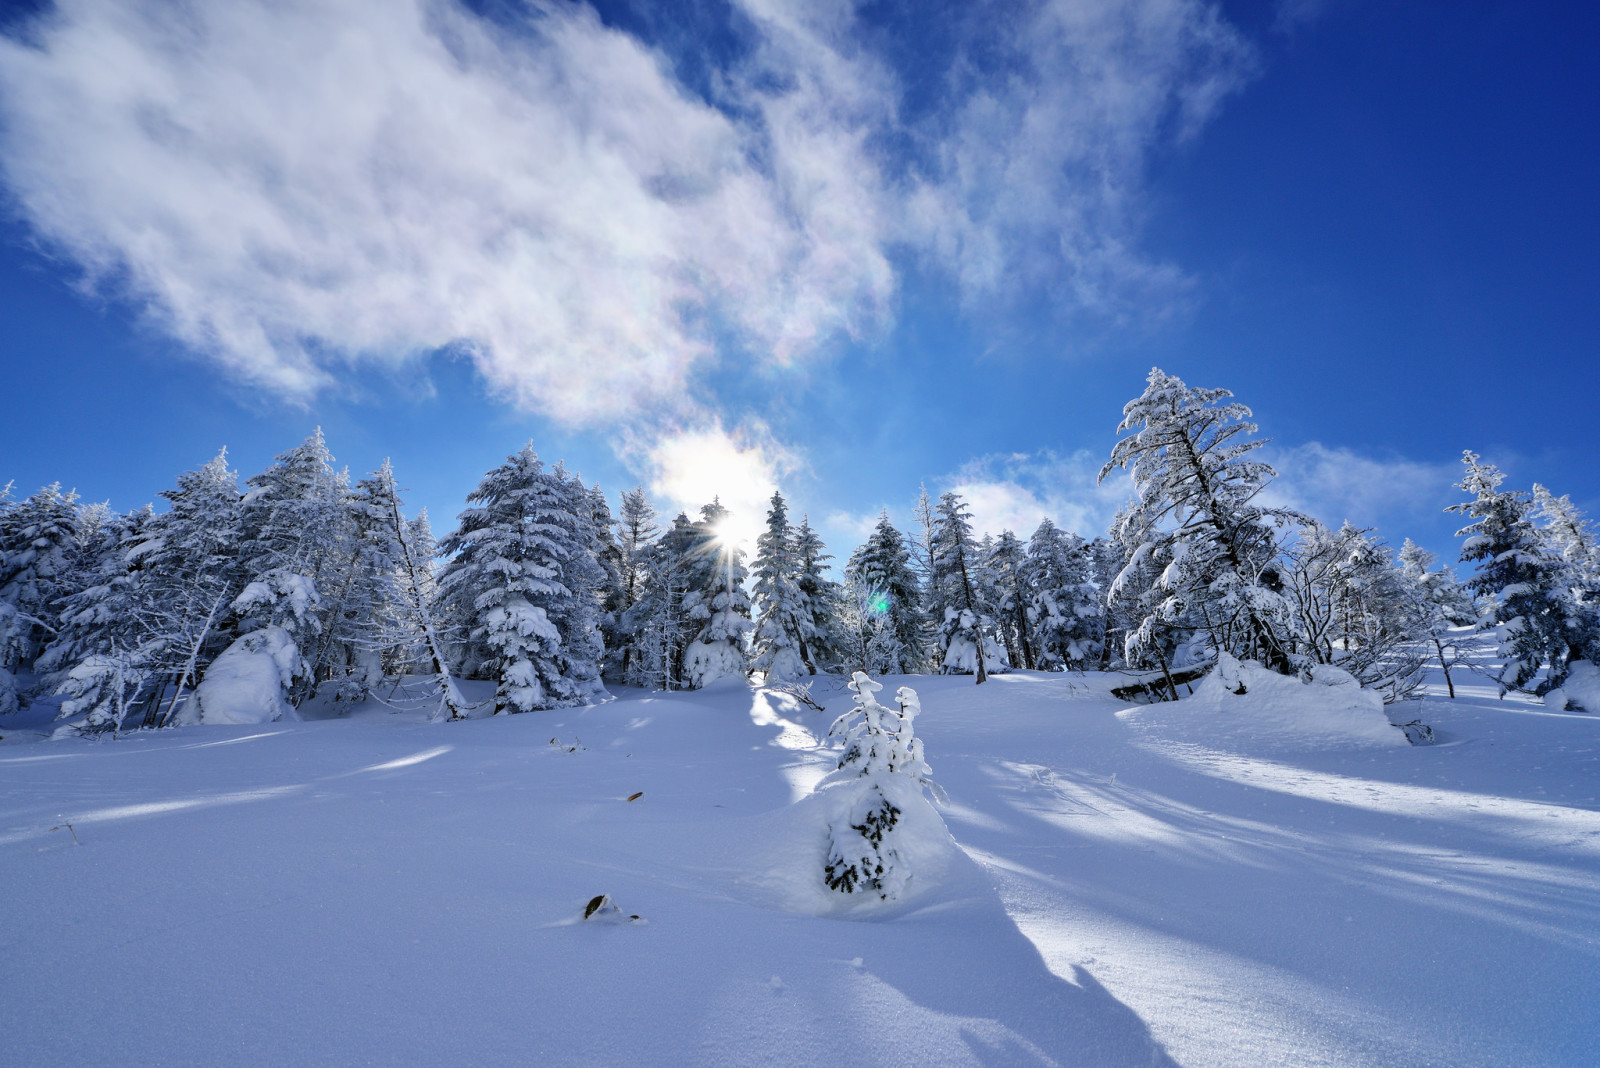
(1130, 887)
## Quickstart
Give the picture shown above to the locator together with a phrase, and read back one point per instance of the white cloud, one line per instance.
(1338, 484)
(688, 468)
(294, 189)
(1041, 164)
(1015, 491)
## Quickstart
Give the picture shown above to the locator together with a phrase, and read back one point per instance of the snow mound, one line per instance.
(249, 682)
(1580, 692)
(1247, 703)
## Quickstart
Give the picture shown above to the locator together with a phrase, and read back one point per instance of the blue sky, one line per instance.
(844, 249)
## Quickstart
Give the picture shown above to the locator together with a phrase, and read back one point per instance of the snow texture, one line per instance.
(1579, 692)
(1104, 888)
(1243, 701)
(249, 682)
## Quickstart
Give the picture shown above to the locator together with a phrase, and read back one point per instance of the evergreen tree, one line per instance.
(1063, 602)
(880, 777)
(508, 555)
(778, 646)
(716, 601)
(886, 598)
(965, 630)
(821, 599)
(636, 532)
(38, 558)
(1197, 512)
(192, 573)
(1544, 625)
(658, 624)
(1005, 570)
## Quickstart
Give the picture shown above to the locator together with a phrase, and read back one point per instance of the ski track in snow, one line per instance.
(379, 889)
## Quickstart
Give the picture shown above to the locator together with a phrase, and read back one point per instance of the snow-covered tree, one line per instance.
(965, 629)
(778, 646)
(880, 777)
(1442, 605)
(821, 598)
(192, 572)
(716, 601)
(1353, 608)
(1544, 626)
(658, 623)
(1064, 605)
(1197, 511)
(1570, 535)
(508, 556)
(884, 594)
(1006, 573)
(38, 558)
(636, 531)
(296, 520)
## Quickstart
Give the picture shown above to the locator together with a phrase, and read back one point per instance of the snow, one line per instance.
(1580, 691)
(1274, 711)
(249, 682)
(1105, 887)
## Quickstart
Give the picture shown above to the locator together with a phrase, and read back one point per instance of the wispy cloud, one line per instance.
(296, 190)
(1014, 491)
(1339, 484)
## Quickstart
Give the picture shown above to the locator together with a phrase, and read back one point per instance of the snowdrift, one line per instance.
(249, 682)
(1245, 703)
(1580, 692)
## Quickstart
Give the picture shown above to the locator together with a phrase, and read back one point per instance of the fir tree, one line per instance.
(964, 641)
(886, 595)
(1064, 603)
(821, 599)
(1544, 626)
(716, 601)
(880, 776)
(508, 556)
(778, 647)
(39, 550)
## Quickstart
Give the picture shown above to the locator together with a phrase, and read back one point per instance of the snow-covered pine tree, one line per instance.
(508, 555)
(1442, 605)
(39, 550)
(886, 593)
(636, 531)
(1197, 508)
(881, 775)
(296, 521)
(717, 602)
(1571, 536)
(965, 630)
(1544, 626)
(778, 648)
(612, 593)
(821, 598)
(100, 660)
(658, 622)
(1064, 604)
(584, 575)
(190, 557)
(1006, 571)
(393, 611)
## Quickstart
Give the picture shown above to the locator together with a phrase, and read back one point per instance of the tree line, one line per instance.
(545, 591)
